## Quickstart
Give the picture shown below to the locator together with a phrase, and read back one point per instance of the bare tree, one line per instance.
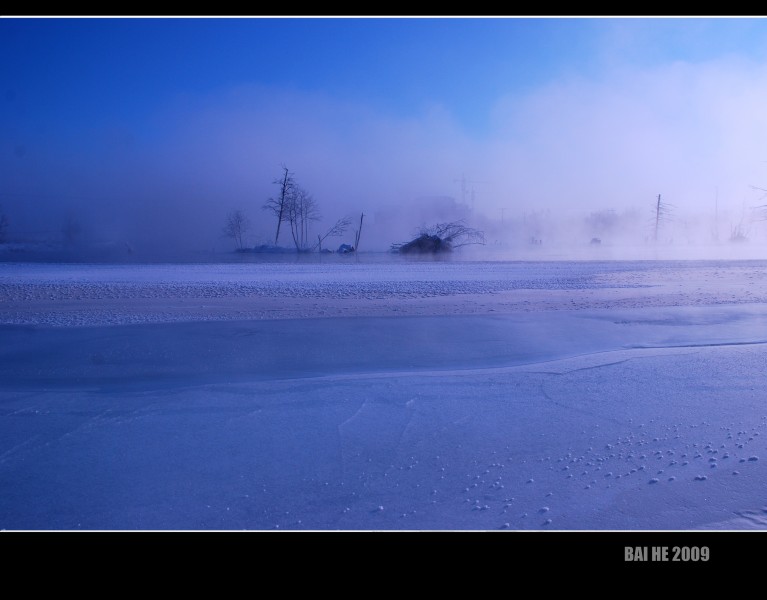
(279, 205)
(442, 237)
(237, 224)
(603, 221)
(301, 208)
(663, 212)
(336, 230)
(740, 232)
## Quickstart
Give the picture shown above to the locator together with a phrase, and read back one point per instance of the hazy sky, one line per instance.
(163, 125)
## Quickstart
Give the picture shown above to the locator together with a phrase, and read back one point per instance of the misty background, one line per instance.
(143, 134)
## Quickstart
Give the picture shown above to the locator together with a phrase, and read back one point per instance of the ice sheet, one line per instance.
(632, 415)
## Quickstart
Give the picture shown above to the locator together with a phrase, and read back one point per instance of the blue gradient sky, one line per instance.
(116, 117)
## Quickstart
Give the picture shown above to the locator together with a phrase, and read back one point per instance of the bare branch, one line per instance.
(442, 237)
(338, 229)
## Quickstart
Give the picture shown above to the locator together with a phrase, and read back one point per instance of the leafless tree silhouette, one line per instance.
(279, 205)
(338, 229)
(237, 224)
(442, 237)
(300, 208)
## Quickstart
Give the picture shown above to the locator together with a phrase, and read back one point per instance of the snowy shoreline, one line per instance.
(82, 295)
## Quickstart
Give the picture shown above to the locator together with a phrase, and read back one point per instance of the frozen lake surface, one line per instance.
(411, 395)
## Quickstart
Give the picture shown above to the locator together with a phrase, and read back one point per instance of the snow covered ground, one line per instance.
(384, 395)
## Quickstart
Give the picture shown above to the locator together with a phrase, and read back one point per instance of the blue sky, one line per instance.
(577, 113)
(95, 69)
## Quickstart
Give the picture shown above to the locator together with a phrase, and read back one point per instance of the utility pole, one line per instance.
(463, 181)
